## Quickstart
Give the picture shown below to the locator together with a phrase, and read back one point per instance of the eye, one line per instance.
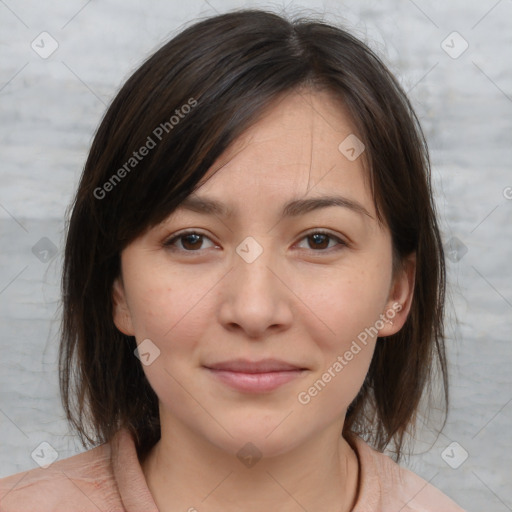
(317, 240)
(191, 241)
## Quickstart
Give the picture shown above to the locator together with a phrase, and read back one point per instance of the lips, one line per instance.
(255, 376)
(262, 366)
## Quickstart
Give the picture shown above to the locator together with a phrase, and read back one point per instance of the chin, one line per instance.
(264, 438)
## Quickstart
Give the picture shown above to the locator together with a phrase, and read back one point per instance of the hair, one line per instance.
(187, 103)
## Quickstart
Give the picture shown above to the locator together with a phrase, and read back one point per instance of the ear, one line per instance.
(400, 298)
(121, 313)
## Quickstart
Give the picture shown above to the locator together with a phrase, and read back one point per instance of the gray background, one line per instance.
(50, 108)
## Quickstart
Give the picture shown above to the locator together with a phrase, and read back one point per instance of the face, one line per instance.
(262, 320)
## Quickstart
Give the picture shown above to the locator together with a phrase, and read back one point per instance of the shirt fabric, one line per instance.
(110, 478)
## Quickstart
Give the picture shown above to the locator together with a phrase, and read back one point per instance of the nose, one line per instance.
(255, 295)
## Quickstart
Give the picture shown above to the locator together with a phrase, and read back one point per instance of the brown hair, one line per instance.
(226, 69)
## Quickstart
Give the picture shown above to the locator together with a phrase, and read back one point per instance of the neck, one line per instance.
(186, 472)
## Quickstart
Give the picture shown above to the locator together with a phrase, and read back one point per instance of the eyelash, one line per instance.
(171, 241)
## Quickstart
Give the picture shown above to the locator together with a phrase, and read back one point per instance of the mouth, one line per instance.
(255, 376)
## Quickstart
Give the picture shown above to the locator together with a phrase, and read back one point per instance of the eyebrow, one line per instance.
(293, 208)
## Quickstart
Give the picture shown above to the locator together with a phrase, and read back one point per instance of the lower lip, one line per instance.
(255, 382)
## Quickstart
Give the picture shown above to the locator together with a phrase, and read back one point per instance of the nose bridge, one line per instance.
(255, 295)
(253, 263)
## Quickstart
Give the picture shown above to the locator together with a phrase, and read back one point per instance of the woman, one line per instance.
(253, 283)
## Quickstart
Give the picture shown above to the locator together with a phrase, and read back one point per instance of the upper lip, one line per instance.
(261, 366)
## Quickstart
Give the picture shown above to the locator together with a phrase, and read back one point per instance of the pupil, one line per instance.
(318, 238)
(194, 237)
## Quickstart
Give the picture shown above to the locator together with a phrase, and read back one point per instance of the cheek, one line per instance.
(329, 394)
(345, 351)
(348, 303)
(159, 300)
(173, 316)
(171, 311)
(350, 308)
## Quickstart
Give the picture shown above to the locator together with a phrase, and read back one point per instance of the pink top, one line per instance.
(110, 478)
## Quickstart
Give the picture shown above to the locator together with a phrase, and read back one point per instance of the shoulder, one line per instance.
(390, 487)
(82, 483)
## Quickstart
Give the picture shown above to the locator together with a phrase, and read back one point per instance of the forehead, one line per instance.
(292, 152)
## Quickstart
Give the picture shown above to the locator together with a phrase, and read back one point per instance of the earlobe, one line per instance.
(121, 314)
(400, 297)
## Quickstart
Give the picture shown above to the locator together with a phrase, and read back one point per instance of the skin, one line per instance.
(302, 300)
